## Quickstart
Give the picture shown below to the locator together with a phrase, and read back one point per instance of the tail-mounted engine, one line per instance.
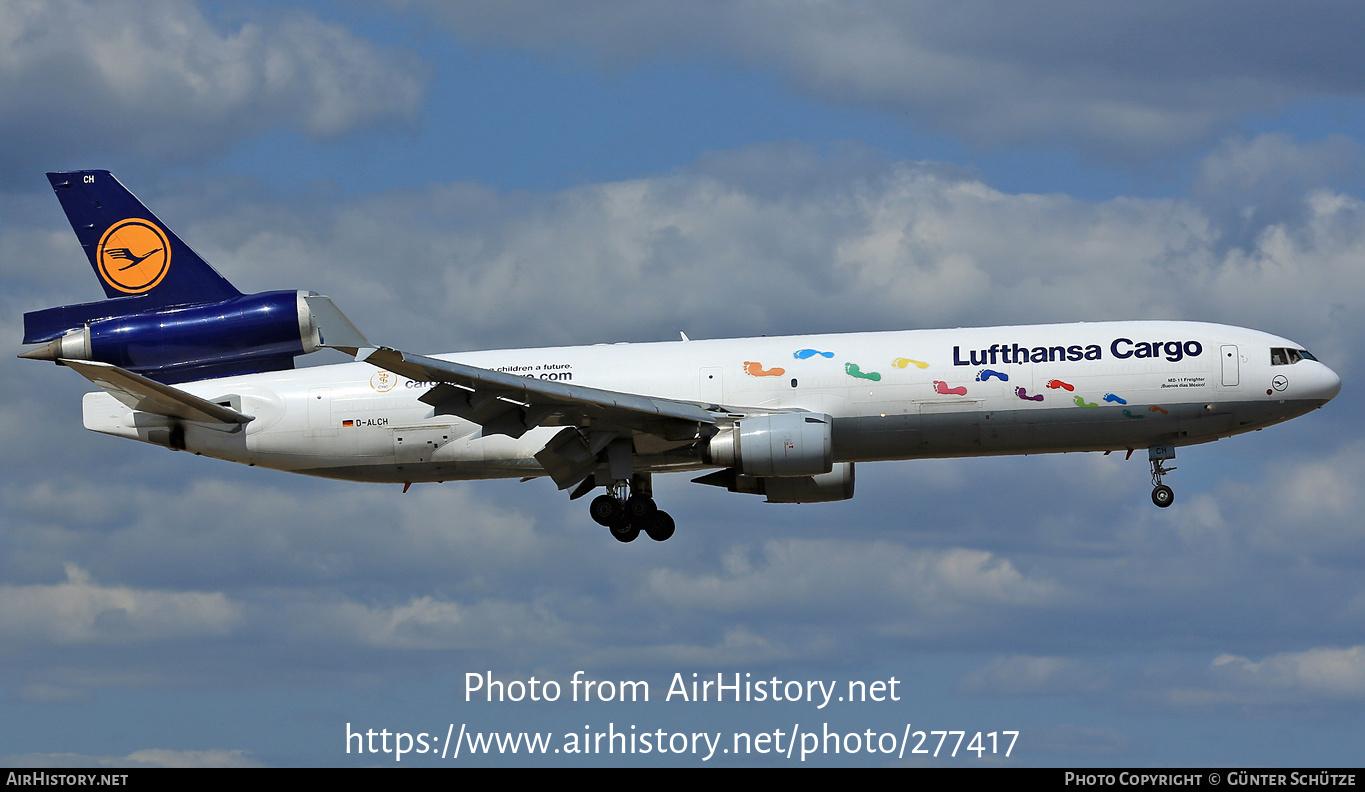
(246, 334)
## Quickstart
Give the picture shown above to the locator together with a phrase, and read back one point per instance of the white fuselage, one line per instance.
(893, 395)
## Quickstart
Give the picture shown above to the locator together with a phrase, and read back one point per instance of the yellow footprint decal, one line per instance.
(903, 362)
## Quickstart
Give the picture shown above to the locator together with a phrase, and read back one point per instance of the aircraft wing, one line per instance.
(484, 396)
(508, 404)
(149, 396)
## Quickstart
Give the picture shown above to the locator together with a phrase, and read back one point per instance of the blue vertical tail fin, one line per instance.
(132, 252)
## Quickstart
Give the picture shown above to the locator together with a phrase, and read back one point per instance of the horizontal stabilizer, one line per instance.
(149, 396)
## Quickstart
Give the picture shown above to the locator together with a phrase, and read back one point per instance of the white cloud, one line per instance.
(900, 585)
(1323, 673)
(430, 623)
(80, 611)
(853, 243)
(161, 80)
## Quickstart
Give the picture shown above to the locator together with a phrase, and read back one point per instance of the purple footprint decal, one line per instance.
(1023, 394)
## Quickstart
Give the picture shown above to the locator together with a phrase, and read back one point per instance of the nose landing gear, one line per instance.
(1162, 495)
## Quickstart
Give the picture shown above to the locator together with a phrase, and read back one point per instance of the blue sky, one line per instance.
(477, 176)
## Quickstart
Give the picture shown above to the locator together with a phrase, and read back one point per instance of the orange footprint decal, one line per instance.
(942, 387)
(757, 370)
(1055, 384)
(903, 362)
(1155, 408)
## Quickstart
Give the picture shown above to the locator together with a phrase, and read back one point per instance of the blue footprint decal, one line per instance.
(1109, 397)
(986, 374)
(802, 354)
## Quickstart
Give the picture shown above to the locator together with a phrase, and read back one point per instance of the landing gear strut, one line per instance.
(627, 509)
(1162, 495)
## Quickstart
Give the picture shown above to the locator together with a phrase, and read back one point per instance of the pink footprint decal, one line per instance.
(1055, 384)
(1155, 408)
(942, 387)
(757, 370)
(1023, 394)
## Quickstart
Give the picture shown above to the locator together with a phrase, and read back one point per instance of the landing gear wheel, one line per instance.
(625, 532)
(639, 507)
(606, 510)
(1163, 495)
(659, 526)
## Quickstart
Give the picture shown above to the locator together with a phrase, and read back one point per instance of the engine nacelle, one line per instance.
(250, 333)
(836, 485)
(783, 444)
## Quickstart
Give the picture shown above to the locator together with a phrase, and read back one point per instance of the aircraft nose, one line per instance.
(1330, 385)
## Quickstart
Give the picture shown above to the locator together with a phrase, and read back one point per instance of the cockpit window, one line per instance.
(1281, 356)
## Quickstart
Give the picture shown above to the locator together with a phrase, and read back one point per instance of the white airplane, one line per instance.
(187, 362)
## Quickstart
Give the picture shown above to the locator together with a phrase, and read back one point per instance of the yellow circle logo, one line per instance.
(133, 255)
(383, 381)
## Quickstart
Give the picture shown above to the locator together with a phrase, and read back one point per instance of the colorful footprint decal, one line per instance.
(853, 371)
(1109, 397)
(1055, 384)
(802, 354)
(942, 387)
(903, 362)
(1155, 408)
(1023, 394)
(986, 374)
(757, 370)
(1130, 415)
(1081, 402)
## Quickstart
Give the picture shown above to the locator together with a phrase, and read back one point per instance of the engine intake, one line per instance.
(783, 444)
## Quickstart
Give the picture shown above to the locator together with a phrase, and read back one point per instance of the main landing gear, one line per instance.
(1162, 495)
(628, 516)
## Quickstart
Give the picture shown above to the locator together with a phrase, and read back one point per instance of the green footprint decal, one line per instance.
(1130, 415)
(853, 371)
(1081, 402)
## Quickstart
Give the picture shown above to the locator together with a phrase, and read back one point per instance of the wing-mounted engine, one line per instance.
(836, 485)
(245, 334)
(781, 444)
(788, 457)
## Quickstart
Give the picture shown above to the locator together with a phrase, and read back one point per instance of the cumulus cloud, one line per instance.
(1321, 674)
(908, 586)
(1324, 672)
(430, 623)
(159, 79)
(1114, 79)
(80, 611)
(845, 242)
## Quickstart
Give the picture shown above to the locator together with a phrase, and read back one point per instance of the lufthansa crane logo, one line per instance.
(133, 255)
